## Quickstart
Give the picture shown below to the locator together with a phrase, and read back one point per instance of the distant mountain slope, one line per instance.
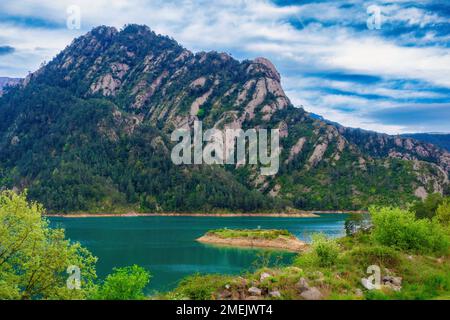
(439, 139)
(5, 81)
(90, 131)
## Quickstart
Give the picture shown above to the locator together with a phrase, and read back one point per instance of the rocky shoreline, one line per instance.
(281, 243)
(225, 215)
(301, 214)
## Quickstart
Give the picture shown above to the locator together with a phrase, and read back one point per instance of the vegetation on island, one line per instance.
(265, 234)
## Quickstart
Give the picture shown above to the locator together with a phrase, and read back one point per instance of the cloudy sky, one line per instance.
(393, 77)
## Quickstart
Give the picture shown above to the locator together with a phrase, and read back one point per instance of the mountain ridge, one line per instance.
(111, 95)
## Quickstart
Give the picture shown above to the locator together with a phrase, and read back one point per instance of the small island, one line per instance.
(261, 238)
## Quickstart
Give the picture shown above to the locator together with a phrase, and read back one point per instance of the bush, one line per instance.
(400, 229)
(443, 213)
(374, 254)
(200, 287)
(324, 252)
(354, 223)
(126, 283)
(427, 208)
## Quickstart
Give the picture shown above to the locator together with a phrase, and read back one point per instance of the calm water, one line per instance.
(166, 245)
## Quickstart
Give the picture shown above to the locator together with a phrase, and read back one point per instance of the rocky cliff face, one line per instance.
(137, 80)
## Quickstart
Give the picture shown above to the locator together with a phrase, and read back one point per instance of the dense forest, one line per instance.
(90, 131)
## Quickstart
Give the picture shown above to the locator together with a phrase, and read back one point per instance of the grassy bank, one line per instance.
(264, 234)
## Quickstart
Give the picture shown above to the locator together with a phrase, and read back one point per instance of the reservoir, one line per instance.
(166, 245)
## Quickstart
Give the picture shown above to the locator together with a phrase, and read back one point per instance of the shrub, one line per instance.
(400, 229)
(443, 213)
(354, 223)
(126, 283)
(374, 254)
(324, 252)
(427, 208)
(200, 287)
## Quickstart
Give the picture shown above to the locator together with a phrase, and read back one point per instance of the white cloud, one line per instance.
(253, 28)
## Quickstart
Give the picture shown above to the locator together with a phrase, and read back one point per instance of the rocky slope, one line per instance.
(5, 81)
(439, 139)
(90, 131)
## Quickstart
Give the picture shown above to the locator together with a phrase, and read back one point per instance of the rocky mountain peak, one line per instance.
(122, 92)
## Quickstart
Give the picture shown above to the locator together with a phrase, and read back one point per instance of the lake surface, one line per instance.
(166, 245)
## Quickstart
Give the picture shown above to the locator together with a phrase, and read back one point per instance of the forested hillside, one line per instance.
(90, 131)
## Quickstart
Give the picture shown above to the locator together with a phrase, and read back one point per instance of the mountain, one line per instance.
(441, 140)
(5, 81)
(90, 131)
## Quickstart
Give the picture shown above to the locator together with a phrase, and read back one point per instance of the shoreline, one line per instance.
(224, 215)
(302, 214)
(280, 243)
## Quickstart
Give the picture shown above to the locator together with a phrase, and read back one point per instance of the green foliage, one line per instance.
(400, 229)
(250, 233)
(324, 252)
(126, 283)
(353, 223)
(200, 113)
(443, 212)
(34, 257)
(200, 287)
(374, 254)
(427, 208)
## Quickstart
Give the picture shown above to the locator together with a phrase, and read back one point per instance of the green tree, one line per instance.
(34, 257)
(400, 229)
(126, 283)
(325, 249)
(353, 223)
(427, 208)
(443, 212)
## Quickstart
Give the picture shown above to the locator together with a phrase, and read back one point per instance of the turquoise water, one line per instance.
(166, 245)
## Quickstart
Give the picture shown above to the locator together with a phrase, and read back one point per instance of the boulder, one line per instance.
(264, 276)
(359, 292)
(254, 291)
(225, 294)
(312, 294)
(397, 281)
(275, 294)
(302, 285)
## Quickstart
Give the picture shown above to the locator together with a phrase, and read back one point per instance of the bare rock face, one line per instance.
(421, 193)
(269, 68)
(296, 149)
(195, 107)
(318, 153)
(257, 99)
(107, 85)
